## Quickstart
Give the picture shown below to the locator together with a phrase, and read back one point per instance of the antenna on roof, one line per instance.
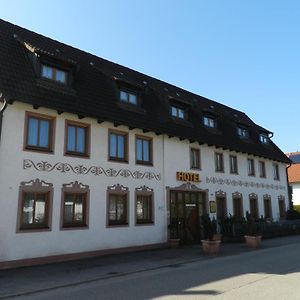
(145, 82)
(91, 63)
(178, 94)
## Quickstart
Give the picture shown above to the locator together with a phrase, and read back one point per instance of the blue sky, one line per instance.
(244, 54)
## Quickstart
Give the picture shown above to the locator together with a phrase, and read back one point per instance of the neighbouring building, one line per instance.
(96, 157)
(294, 176)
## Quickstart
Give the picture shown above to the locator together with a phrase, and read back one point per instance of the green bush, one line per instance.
(293, 214)
(297, 207)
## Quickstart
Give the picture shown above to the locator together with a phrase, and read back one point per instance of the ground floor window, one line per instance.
(282, 209)
(144, 205)
(35, 199)
(117, 205)
(268, 207)
(221, 208)
(254, 206)
(238, 206)
(75, 203)
(74, 209)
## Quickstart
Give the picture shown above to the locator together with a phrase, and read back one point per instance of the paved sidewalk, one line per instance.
(27, 280)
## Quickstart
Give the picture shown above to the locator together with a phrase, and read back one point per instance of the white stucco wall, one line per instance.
(170, 155)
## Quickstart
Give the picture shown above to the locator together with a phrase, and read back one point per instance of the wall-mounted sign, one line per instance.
(184, 176)
(212, 207)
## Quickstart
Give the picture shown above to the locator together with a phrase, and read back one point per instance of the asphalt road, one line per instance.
(272, 273)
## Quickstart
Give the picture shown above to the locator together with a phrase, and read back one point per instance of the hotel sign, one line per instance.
(185, 176)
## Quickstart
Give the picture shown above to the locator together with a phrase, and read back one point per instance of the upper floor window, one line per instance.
(209, 122)
(39, 132)
(264, 139)
(178, 112)
(233, 164)
(251, 167)
(195, 158)
(143, 150)
(243, 132)
(128, 97)
(262, 169)
(77, 138)
(54, 74)
(276, 171)
(219, 162)
(118, 146)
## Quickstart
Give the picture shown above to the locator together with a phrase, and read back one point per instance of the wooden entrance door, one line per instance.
(186, 208)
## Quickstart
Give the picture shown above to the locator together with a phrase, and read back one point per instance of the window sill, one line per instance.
(38, 149)
(33, 229)
(74, 227)
(145, 224)
(77, 154)
(195, 168)
(117, 225)
(118, 160)
(149, 164)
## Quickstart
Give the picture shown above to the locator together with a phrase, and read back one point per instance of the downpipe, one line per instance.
(2, 109)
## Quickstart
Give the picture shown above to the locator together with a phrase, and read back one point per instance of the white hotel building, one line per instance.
(97, 158)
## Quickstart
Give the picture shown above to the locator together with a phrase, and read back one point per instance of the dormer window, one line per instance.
(264, 139)
(54, 74)
(128, 97)
(243, 132)
(209, 122)
(178, 112)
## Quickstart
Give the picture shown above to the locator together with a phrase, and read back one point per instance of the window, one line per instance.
(251, 167)
(209, 122)
(233, 164)
(238, 207)
(143, 150)
(281, 205)
(35, 199)
(276, 171)
(39, 132)
(253, 206)
(74, 213)
(243, 132)
(118, 146)
(262, 169)
(177, 112)
(75, 203)
(195, 158)
(219, 162)
(54, 74)
(128, 97)
(221, 208)
(77, 138)
(144, 205)
(264, 139)
(268, 207)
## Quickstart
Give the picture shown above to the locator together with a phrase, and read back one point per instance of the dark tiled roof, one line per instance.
(94, 93)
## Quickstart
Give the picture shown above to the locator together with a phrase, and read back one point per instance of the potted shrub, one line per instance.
(174, 239)
(253, 239)
(211, 241)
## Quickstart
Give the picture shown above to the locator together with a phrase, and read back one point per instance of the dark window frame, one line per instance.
(35, 187)
(126, 146)
(251, 167)
(148, 193)
(276, 175)
(262, 169)
(243, 132)
(268, 213)
(237, 212)
(54, 71)
(150, 141)
(219, 167)
(178, 108)
(130, 92)
(253, 205)
(117, 190)
(264, 138)
(210, 119)
(51, 134)
(87, 134)
(198, 153)
(233, 167)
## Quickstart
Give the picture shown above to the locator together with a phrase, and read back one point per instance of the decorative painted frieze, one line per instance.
(61, 167)
(251, 184)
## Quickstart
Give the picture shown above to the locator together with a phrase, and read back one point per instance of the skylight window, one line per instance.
(243, 132)
(128, 97)
(264, 139)
(54, 74)
(209, 122)
(177, 112)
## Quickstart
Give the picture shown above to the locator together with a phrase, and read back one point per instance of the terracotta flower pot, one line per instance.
(211, 247)
(253, 241)
(174, 243)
